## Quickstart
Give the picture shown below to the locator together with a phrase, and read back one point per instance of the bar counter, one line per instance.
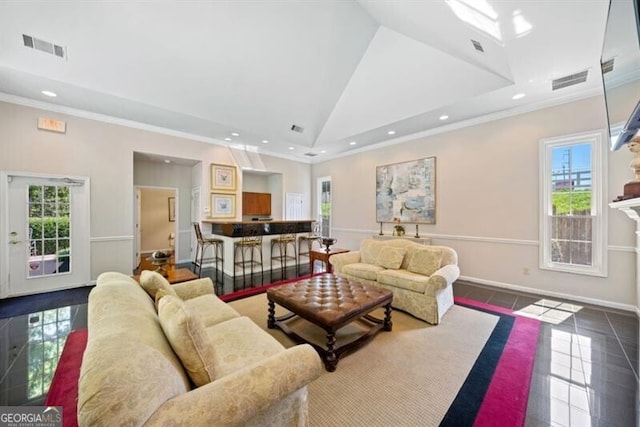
(234, 228)
(231, 231)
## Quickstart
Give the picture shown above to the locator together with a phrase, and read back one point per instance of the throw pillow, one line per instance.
(152, 281)
(390, 257)
(186, 333)
(159, 294)
(424, 261)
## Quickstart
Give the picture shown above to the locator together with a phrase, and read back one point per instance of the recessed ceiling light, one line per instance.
(352, 143)
(167, 161)
(235, 134)
(391, 132)
(290, 148)
(265, 141)
(228, 139)
(518, 96)
(323, 151)
(444, 117)
(49, 93)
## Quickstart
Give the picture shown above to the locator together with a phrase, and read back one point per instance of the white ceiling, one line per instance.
(343, 70)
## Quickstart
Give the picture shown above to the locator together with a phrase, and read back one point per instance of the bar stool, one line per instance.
(245, 252)
(217, 256)
(305, 243)
(286, 239)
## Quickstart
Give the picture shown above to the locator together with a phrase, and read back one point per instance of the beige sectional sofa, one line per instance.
(192, 361)
(420, 276)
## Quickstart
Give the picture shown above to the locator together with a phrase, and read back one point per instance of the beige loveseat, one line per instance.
(420, 276)
(131, 375)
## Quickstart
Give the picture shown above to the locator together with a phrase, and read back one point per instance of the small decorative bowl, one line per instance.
(328, 241)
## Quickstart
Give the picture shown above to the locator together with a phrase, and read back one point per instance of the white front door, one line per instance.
(48, 233)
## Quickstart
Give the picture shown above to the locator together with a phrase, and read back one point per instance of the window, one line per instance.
(572, 230)
(324, 205)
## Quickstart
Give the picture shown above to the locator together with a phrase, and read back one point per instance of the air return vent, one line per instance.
(607, 66)
(570, 80)
(44, 46)
(477, 45)
(297, 128)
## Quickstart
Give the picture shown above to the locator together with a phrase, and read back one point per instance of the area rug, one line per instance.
(64, 385)
(474, 369)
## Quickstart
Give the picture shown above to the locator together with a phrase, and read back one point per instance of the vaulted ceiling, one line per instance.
(345, 73)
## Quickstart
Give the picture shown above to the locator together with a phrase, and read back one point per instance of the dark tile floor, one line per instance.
(585, 372)
(586, 367)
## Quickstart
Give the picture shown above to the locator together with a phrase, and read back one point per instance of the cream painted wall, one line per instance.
(255, 183)
(296, 178)
(488, 200)
(155, 226)
(104, 152)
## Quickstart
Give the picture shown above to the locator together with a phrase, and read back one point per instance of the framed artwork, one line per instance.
(406, 192)
(223, 205)
(223, 177)
(172, 209)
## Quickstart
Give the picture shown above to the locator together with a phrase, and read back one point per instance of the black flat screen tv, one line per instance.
(620, 62)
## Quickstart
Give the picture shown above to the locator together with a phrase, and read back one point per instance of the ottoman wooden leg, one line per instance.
(271, 320)
(330, 359)
(387, 317)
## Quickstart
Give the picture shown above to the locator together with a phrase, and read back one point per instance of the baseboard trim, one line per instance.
(577, 298)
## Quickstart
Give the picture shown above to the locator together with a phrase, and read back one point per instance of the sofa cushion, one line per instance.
(369, 250)
(404, 279)
(159, 294)
(424, 260)
(362, 270)
(152, 281)
(187, 335)
(239, 343)
(212, 310)
(390, 257)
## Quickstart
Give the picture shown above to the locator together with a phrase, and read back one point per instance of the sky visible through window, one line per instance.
(580, 155)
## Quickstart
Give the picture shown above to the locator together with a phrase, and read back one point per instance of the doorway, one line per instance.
(156, 218)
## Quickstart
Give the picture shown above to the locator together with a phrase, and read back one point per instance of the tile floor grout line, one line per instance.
(633, 369)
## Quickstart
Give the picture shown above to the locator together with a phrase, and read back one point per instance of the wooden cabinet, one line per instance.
(256, 203)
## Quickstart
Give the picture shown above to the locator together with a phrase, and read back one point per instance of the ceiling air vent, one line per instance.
(44, 46)
(297, 128)
(477, 45)
(607, 66)
(570, 80)
(310, 154)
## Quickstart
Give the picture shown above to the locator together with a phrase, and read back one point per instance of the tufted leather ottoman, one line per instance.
(331, 303)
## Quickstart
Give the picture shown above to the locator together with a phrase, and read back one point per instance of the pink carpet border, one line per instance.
(260, 289)
(505, 402)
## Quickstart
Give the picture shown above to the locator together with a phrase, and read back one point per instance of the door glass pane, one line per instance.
(49, 224)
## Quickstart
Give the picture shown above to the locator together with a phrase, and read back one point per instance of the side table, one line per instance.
(323, 255)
